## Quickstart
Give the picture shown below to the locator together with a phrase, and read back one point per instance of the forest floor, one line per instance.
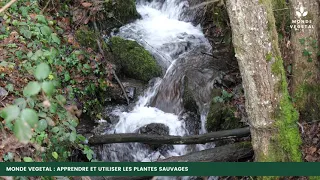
(310, 134)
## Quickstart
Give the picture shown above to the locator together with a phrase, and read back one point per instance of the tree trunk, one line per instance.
(160, 139)
(305, 42)
(272, 117)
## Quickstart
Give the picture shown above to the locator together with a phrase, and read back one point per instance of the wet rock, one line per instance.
(134, 88)
(113, 112)
(3, 92)
(198, 70)
(156, 129)
(193, 123)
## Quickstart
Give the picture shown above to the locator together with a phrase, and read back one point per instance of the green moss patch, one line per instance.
(119, 13)
(87, 38)
(133, 60)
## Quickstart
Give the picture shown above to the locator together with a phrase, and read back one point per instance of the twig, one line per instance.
(112, 71)
(7, 5)
(47, 4)
(203, 4)
(302, 130)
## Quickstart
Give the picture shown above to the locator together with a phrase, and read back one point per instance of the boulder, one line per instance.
(133, 60)
(118, 13)
(156, 129)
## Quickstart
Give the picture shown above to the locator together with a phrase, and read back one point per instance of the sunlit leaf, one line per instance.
(33, 88)
(42, 125)
(42, 71)
(27, 159)
(22, 131)
(29, 116)
(55, 155)
(10, 113)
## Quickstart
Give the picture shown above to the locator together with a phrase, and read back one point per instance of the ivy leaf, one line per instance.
(61, 99)
(22, 131)
(55, 130)
(73, 136)
(45, 30)
(25, 32)
(306, 52)
(55, 155)
(33, 88)
(24, 11)
(42, 125)
(55, 38)
(10, 113)
(31, 102)
(27, 159)
(48, 87)
(29, 116)
(67, 76)
(41, 19)
(302, 41)
(21, 103)
(10, 87)
(42, 71)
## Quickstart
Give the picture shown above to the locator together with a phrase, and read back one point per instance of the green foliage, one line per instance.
(310, 47)
(221, 115)
(134, 60)
(38, 115)
(225, 96)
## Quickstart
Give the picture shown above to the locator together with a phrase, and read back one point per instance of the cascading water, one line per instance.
(172, 41)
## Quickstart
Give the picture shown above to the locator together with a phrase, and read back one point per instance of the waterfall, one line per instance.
(172, 41)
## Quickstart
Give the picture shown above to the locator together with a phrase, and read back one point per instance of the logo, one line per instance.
(301, 22)
(301, 13)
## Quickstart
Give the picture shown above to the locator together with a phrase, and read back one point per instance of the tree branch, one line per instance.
(7, 6)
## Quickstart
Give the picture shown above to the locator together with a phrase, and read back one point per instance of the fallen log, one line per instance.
(158, 139)
(228, 153)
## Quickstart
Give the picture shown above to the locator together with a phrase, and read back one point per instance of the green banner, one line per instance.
(159, 169)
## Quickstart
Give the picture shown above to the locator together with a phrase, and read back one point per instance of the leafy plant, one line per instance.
(225, 96)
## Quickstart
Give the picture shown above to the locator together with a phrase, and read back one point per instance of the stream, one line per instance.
(177, 47)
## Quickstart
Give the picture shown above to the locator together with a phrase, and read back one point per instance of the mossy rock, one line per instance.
(221, 116)
(87, 38)
(119, 13)
(133, 60)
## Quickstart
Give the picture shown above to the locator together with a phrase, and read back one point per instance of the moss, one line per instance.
(133, 60)
(269, 57)
(314, 178)
(286, 141)
(87, 38)
(118, 13)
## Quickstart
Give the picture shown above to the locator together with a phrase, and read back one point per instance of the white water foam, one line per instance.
(162, 33)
